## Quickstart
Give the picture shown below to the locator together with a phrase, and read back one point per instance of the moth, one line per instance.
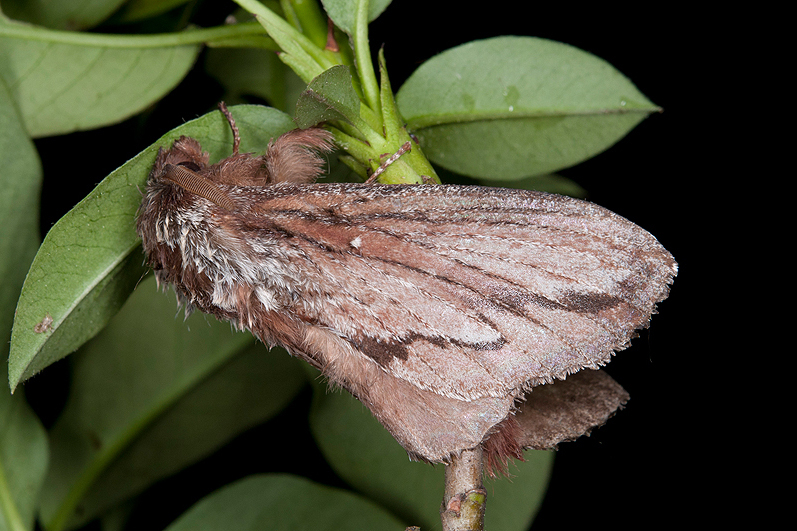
(439, 307)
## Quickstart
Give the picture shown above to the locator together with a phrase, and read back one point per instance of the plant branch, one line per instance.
(361, 112)
(362, 54)
(464, 498)
(243, 34)
(303, 56)
(307, 18)
(396, 133)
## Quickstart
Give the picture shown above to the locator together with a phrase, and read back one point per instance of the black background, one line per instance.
(648, 467)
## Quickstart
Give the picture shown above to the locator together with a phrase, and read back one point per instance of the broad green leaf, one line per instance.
(23, 442)
(281, 502)
(249, 390)
(513, 107)
(20, 181)
(152, 394)
(364, 454)
(63, 14)
(23, 461)
(329, 96)
(64, 82)
(344, 12)
(90, 260)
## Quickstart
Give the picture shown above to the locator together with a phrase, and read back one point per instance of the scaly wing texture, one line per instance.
(473, 292)
(441, 305)
(437, 306)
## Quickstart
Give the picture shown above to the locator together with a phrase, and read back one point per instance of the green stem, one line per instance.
(376, 140)
(368, 157)
(301, 66)
(306, 16)
(362, 53)
(222, 34)
(355, 147)
(309, 58)
(394, 130)
(375, 130)
(397, 134)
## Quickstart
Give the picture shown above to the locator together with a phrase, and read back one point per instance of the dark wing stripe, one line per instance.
(343, 292)
(562, 339)
(554, 319)
(431, 245)
(532, 296)
(625, 250)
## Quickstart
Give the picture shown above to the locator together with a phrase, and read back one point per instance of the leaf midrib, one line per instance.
(431, 120)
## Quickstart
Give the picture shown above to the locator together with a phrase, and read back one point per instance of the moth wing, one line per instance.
(471, 292)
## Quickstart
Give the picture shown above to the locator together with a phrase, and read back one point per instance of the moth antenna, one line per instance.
(196, 184)
(406, 148)
(236, 136)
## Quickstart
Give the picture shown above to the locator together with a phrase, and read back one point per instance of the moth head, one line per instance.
(185, 151)
(174, 187)
(186, 179)
(179, 177)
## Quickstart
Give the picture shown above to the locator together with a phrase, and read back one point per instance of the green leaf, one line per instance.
(23, 461)
(20, 180)
(299, 52)
(152, 394)
(64, 14)
(329, 96)
(66, 82)
(23, 442)
(344, 12)
(90, 260)
(280, 502)
(512, 107)
(366, 456)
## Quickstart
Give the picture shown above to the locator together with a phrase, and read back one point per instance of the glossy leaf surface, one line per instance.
(513, 107)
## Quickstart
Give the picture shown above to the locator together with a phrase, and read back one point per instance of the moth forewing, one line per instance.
(438, 306)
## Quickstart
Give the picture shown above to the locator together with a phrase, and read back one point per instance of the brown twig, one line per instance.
(464, 499)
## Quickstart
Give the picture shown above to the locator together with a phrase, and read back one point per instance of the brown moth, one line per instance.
(439, 307)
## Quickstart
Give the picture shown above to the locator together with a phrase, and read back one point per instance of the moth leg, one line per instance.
(406, 148)
(236, 137)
